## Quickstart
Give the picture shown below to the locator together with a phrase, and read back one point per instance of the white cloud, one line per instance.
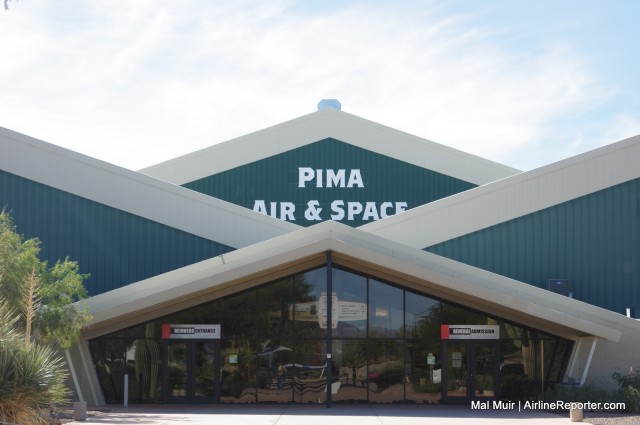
(141, 82)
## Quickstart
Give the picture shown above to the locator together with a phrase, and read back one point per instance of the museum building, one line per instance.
(331, 259)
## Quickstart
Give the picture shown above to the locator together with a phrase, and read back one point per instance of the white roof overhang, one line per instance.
(320, 125)
(136, 193)
(360, 251)
(497, 202)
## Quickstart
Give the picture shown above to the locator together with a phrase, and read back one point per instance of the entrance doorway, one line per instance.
(190, 371)
(470, 371)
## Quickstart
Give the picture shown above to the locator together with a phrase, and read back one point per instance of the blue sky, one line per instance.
(136, 83)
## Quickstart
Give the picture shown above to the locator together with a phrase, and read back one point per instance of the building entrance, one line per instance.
(191, 371)
(471, 371)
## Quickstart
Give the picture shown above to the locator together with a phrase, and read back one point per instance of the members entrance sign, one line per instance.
(170, 331)
(470, 331)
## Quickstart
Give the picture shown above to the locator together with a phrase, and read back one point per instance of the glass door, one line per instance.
(456, 388)
(470, 371)
(204, 372)
(485, 369)
(190, 373)
(176, 372)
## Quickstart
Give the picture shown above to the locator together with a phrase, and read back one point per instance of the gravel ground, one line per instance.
(612, 419)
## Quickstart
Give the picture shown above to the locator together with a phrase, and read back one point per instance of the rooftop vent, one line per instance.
(560, 286)
(329, 104)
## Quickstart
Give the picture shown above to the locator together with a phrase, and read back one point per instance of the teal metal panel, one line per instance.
(276, 179)
(117, 248)
(593, 240)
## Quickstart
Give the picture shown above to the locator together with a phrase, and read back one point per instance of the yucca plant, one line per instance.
(31, 375)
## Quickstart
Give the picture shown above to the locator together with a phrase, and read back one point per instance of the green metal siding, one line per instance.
(275, 179)
(117, 248)
(593, 240)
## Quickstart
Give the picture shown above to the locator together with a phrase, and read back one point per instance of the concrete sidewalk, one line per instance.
(320, 415)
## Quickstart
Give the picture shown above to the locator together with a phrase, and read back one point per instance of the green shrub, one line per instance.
(629, 389)
(581, 394)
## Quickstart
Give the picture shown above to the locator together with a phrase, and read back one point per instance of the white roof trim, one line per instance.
(321, 125)
(486, 290)
(512, 197)
(135, 193)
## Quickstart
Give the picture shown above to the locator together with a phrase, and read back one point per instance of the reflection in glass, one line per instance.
(456, 369)
(273, 348)
(275, 301)
(454, 315)
(424, 370)
(108, 355)
(350, 366)
(238, 316)
(422, 317)
(309, 371)
(555, 356)
(203, 313)
(148, 363)
(386, 316)
(275, 371)
(517, 363)
(385, 377)
(351, 292)
(238, 370)
(308, 288)
(177, 369)
(484, 384)
(204, 369)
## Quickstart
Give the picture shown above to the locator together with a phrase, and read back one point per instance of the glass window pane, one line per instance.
(386, 314)
(275, 371)
(309, 371)
(350, 362)
(422, 317)
(108, 355)
(177, 369)
(145, 386)
(454, 315)
(424, 371)
(385, 378)
(202, 314)
(238, 316)
(204, 382)
(517, 363)
(484, 367)
(238, 370)
(456, 364)
(308, 288)
(274, 302)
(351, 292)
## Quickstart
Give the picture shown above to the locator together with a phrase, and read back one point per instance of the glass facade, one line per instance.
(385, 346)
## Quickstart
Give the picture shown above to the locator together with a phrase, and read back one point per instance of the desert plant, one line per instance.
(31, 376)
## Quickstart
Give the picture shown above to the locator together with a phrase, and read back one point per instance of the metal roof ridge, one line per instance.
(75, 173)
(574, 164)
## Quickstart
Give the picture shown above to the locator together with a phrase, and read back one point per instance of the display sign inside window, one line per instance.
(470, 331)
(170, 331)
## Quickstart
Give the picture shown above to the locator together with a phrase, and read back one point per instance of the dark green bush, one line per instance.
(629, 389)
(581, 394)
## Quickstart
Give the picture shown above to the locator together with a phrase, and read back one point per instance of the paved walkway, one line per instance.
(320, 415)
